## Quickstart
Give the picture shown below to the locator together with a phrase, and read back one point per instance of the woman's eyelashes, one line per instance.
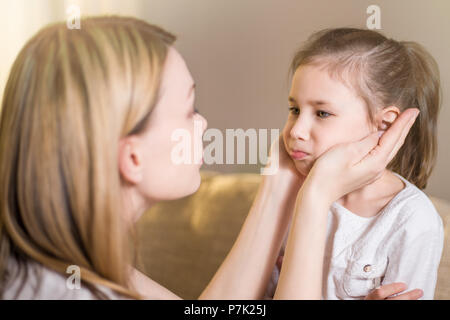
(194, 112)
(320, 113)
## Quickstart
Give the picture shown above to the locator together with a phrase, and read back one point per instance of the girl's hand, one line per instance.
(386, 291)
(347, 167)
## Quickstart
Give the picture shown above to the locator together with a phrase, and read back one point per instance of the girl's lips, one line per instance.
(298, 155)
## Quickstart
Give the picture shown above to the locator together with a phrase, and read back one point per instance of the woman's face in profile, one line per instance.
(323, 112)
(173, 135)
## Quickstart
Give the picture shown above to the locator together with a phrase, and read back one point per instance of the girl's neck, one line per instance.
(369, 200)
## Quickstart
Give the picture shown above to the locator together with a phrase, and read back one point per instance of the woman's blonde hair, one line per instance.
(385, 72)
(71, 95)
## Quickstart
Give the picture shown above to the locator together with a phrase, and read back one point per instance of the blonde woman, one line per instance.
(85, 145)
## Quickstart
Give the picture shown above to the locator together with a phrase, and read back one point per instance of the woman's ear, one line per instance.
(386, 117)
(130, 160)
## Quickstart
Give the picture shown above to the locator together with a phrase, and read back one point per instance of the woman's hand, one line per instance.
(281, 164)
(385, 292)
(347, 167)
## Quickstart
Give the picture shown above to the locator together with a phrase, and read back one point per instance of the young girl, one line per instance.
(346, 84)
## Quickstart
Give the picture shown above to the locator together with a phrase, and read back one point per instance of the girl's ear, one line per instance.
(130, 160)
(387, 117)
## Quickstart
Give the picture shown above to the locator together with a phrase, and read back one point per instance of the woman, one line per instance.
(85, 144)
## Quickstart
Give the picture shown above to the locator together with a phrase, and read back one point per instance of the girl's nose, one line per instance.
(205, 123)
(300, 130)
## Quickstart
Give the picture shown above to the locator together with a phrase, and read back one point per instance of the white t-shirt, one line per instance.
(402, 243)
(43, 283)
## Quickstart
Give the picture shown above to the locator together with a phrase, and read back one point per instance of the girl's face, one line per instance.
(152, 166)
(323, 112)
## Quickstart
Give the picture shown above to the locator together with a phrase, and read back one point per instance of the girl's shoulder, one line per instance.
(414, 209)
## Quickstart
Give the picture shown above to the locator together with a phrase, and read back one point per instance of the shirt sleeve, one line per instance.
(415, 256)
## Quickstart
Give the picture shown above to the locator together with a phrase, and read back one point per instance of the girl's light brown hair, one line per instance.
(384, 73)
(71, 95)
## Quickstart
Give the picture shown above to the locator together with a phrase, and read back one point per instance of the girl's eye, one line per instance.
(323, 114)
(294, 110)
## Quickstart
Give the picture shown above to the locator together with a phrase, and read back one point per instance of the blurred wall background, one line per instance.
(239, 51)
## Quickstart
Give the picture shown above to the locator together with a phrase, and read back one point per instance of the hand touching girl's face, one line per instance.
(323, 112)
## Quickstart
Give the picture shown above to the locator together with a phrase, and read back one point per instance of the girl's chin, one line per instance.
(303, 168)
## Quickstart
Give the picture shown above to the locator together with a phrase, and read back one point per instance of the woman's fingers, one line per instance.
(373, 148)
(386, 291)
(364, 146)
(393, 139)
(390, 142)
(411, 295)
(406, 124)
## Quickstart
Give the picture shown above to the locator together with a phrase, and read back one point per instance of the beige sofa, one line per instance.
(183, 242)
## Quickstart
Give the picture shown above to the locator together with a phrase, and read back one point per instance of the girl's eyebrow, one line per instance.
(312, 102)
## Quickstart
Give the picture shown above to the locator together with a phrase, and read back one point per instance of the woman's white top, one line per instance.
(45, 284)
(402, 243)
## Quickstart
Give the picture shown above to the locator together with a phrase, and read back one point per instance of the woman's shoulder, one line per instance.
(42, 283)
